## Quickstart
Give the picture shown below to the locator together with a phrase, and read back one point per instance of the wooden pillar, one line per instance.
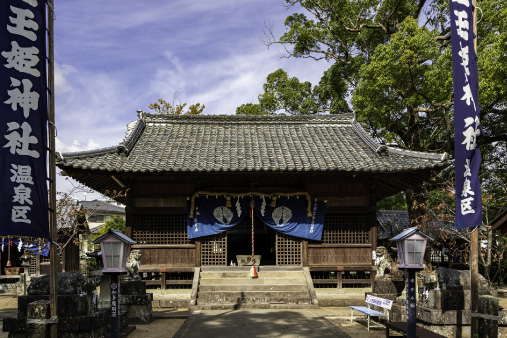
(53, 234)
(162, 280)
(374, 228)
(128, 215)
(304, 253)
(197, 253)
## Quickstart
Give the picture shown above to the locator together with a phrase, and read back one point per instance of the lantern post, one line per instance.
(411, 244)
(115, 249)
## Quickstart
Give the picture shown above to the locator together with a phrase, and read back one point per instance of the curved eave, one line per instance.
(110, 183)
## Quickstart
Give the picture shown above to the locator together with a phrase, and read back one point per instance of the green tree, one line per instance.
(285, 94)
(164, 107)
(391, 62)
(114, 223)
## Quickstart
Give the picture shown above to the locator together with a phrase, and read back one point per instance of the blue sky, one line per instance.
(115, 57)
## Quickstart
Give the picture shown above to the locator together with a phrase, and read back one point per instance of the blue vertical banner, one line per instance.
(467, 128)
(23, 119)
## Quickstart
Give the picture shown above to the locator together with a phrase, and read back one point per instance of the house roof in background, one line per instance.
(102, 206)
(393, 222)
(500, 222)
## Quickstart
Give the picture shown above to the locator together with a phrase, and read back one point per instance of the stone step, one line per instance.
(246, 274)
(213, 295)
(257, 287)
(261, 268)
(235, 306)
(232, 300)
(250, 281)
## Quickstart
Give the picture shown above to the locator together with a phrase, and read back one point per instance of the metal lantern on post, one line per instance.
(411, 244)
(115, 249)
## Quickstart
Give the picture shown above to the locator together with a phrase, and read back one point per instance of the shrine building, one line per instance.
(191, 183)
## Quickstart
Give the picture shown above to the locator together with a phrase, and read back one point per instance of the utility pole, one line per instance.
(53, 253)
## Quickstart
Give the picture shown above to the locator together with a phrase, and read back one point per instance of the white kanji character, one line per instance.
(471, 133)
(467, 188)
(462, 2)
(21, 174)
(22, 59)
(19, 214)
(467, 168)
(32, 3)
(466, 206)
(26, 100)
(19, 143)
(462, 24)
(22, 195)
(468, 96)
(463, 53)
(22, 23)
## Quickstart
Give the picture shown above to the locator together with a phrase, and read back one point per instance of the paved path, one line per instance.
(283, 323)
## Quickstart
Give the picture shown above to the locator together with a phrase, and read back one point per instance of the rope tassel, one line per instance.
(253, 271)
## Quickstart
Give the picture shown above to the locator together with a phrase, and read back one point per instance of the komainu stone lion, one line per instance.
(133, 265)
(384, 261)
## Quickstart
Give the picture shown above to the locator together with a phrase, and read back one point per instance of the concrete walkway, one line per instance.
(283, 323)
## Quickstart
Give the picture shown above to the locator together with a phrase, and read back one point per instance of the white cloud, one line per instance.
(112, 59)
(61, 147)
(61, 73)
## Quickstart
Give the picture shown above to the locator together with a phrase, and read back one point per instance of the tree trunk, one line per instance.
(416, 203)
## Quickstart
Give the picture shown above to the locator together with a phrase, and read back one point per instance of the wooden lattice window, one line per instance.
(32, 269)
(346, 228)
(214, 250)
(288, 250)
(160, 229)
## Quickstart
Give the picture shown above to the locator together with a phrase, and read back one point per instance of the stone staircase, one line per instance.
(230, 287)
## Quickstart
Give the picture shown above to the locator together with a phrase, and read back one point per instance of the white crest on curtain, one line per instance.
(263, 205)
(223, 215)
(238, 208)
(281, 216)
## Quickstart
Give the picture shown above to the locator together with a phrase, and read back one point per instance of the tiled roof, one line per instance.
(102, 206)
(392, 222)
(246, 143)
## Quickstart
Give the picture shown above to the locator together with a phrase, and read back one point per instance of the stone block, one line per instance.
(457, 279)
(85, 323)
(439, 317)
(388, 286)
(14, 324)
(488, 328)
(138, 314)
(68, 305)
(39, 310)
(136, 299)
(72, 282)
(132, 288)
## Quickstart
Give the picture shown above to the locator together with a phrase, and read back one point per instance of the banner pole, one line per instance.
(54, 261)
(474, 238)
(474, 282)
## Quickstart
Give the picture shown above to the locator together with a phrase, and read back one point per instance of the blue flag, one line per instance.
(289, 215)
(467, 128)
(23, 119)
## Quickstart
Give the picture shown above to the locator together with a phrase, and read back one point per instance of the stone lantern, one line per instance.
(411, 245)
(115, 249)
